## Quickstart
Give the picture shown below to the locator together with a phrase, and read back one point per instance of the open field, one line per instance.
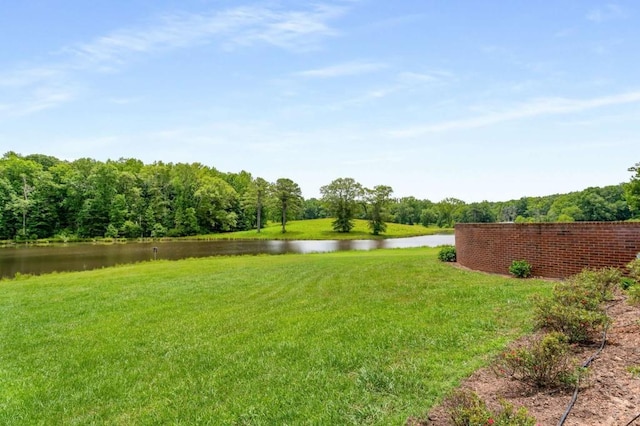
(339, 338)
(320, 229)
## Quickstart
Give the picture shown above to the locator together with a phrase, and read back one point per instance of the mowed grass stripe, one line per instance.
(337, 338)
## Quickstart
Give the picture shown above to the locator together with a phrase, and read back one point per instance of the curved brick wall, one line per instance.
(554, 250)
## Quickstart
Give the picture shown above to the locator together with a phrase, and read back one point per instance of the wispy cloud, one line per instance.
(534, 108)
(402, 82)
(608, 12)
(232, 28)
(38, 87)
(341, 70)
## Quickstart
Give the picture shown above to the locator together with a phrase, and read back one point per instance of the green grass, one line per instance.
(321, 229)
(339, 338)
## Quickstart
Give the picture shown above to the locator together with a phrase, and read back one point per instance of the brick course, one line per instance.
(554, 250)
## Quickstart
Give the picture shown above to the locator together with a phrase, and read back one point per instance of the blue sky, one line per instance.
(469, 99)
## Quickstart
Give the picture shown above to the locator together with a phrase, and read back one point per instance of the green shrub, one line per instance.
(579, 293)
(447, 254)
(465, 408)
(158, 231)
(520, 268)
(579, 325)
(111, 232)
(545, 363)
(131, 229)
(634, 269)
(575, 307)
(626, 283)
(600, 280)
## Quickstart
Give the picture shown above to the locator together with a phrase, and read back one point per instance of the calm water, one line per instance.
(79, 257)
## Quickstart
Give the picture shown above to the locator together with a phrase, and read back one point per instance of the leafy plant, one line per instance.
(447, 254)
(579, 325)
(545, 363)
(467, 409)
(520, 268)
(575, 307)
(626, 283)
(600, 280)
(634, 269)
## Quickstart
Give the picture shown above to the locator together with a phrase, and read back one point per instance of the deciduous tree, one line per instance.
(287, 198)
(341, 198)
(377, 200)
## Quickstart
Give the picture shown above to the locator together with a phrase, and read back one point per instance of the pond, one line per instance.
(37, 260)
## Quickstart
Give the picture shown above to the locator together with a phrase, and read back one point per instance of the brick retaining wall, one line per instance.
(555, 250)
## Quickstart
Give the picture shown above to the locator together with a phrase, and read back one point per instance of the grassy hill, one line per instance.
(321, 229)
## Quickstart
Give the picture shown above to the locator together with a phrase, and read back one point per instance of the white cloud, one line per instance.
(242, 26)
(345, 69)
(534, 108)
(38, 87)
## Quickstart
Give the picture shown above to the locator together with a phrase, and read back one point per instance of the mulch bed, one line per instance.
(611, 395)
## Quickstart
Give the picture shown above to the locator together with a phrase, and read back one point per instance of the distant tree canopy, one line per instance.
(43, 197)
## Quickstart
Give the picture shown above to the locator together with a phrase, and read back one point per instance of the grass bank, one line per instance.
(338, 338)
(321, 229)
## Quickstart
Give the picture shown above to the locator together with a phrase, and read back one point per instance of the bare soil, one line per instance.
(611, 395)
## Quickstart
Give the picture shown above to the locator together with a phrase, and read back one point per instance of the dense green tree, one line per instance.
(255, 199)
(632, 191)
(98, 207)
(313, 209)
(478, 213)
(429, 216)
(287, 198)
(214, 201)
(378, 199)
(22, 176)
(341, 199)
(408, 210)
(594, 207)
(6, 194)
(449, 212)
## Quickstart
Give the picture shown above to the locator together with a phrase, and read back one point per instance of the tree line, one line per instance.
(44, 197)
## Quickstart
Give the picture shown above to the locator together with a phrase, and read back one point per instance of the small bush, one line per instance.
(545, 363)
(447, 254)
(600, 280)
(580, 293)
(575, 307)
(579, 325)
(467, 409)
(634, 269)
(520, 268)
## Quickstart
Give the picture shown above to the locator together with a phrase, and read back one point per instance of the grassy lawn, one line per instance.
(320, 229)
(338, 338)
